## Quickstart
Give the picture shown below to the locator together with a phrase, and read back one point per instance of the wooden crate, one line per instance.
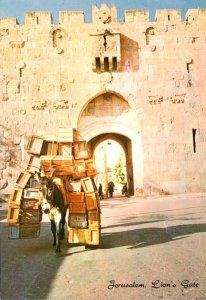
(35, 145)
(29, 231)
(16, 196)
(93, 236)
(77, 207)
(23, 179)
(77, 220)
(13, 215)
(30, 216)
(14, 232)
(75, 197)
(80, 150)
(79, 170)
(73, 186)
(94, 218)
(91, 201)
(90, 168)
(50, 148)
(58, 165)
(33, 183)
(77, 235)
(87, 185)
(65, 149)
(64, 135)
(30, 204)
(34, 164)
(31, 193)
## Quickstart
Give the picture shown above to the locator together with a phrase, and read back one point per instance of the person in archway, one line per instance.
(100, 192)
(111, 188)
(125, 190)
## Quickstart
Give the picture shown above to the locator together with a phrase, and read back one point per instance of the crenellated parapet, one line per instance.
(71, 17)
(136, 16)
(108, 15)
(38, 18)
(168, 16)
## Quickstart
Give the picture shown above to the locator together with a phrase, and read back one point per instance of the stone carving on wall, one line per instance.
(61, 104)
(4, 32)
(39, 105)
(150, 36)
(5, 97)
(177, 98)
(17, 44)
(58, 40)
(155, 99)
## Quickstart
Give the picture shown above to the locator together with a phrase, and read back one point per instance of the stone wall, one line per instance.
(50, 72)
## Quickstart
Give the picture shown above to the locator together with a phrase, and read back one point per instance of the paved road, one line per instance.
(156, 246)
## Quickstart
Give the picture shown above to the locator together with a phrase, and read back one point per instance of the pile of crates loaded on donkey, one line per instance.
(67, 159)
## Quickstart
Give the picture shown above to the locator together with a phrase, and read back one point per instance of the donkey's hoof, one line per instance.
(58, 250)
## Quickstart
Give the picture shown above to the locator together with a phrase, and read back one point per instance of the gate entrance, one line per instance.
(109, 151)
(108, 116)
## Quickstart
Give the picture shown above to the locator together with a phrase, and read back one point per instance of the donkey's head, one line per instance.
(46, 191)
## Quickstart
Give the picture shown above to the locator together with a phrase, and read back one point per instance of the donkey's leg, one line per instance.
(62, 224)
(53, 229)
(58, 228)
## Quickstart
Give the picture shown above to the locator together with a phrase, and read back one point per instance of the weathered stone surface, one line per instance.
(3, 184)
(17, 140)
(98, 78)
(2, 165)
(5, 156)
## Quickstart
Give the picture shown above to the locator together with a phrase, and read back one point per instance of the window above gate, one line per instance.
(106, 52)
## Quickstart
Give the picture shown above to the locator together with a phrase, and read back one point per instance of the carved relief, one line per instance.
(17, 44)
(4, 32)
(39, 105)
(155, 99)
(150, 36)
(58, 40)
(179, 98)
(5, 97)
(105, 14)
(176, 98)
(61, 104)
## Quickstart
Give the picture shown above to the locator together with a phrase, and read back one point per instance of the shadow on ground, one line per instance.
(145, 237)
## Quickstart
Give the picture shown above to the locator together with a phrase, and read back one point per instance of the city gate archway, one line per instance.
(109, 116)
(126, 145)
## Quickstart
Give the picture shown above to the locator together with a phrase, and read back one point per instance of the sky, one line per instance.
(17, 8)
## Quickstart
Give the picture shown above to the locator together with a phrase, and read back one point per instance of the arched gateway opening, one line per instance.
(108, 116)
(125, 144)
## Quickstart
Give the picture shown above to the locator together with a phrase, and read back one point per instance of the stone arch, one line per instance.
(119, 119)
(125, 143)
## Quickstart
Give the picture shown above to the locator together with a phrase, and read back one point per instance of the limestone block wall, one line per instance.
(48, 75)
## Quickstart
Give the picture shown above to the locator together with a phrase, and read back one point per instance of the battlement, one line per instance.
(38, 18)
(193, 15)
(168, 16)
(71, 17)
(137, 16)
(107, 15)
(8, 22)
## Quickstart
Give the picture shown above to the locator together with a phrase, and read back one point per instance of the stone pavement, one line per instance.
(154, 246)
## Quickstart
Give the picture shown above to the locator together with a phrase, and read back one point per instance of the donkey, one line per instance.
(53, 204)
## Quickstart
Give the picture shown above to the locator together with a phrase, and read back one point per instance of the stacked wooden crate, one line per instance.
(71, 161)
(24, 213)
(63, 156)
(84, 213)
